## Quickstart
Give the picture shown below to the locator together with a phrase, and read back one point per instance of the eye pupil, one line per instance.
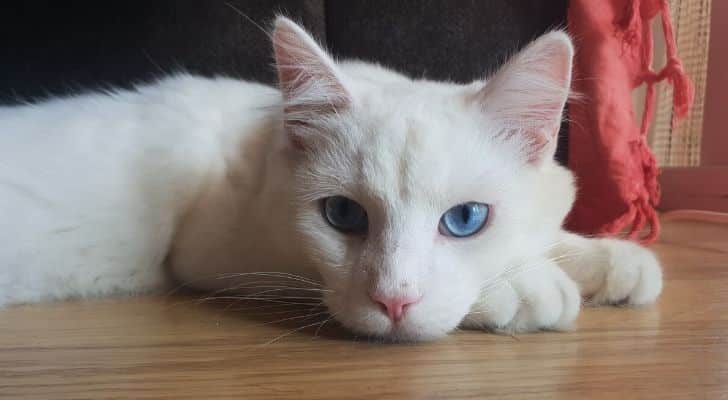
(464, 220)
(465, 213)
(345, 215)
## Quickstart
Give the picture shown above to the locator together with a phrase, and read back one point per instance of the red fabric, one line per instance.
(615, 169)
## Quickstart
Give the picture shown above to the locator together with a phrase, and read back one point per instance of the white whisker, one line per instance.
(292, 331)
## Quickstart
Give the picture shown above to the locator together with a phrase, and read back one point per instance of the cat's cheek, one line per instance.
(357, 314)
(432, 323)
(322, 244)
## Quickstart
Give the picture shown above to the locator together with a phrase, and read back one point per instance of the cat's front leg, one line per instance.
(610, 271)
(529, 297)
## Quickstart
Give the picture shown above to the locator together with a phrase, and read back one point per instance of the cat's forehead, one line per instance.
(419, 150)
(412, 116)
(410, 144)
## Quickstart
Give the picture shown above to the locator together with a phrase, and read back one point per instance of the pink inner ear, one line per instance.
(526, 97)
(308, 80)
(540, 143)
(304, 69)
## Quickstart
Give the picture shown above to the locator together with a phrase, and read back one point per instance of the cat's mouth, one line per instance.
(411, 332)
(370, 320)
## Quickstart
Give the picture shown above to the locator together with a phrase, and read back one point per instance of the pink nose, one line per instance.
(394, 307)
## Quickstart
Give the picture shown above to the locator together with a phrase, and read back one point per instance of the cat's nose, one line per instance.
(396, 306)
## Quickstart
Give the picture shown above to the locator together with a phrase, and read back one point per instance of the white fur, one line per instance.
(96, 190)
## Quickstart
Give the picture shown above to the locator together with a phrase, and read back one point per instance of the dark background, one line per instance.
(55, 48)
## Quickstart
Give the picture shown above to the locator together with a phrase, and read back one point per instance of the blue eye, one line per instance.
(345, 214)
(464, 220)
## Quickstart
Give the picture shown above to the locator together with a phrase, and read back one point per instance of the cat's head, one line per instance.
(416, 195)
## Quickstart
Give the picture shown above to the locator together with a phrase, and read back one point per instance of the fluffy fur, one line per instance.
(219, 176)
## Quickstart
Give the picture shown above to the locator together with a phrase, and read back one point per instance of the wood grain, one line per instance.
(171, 347)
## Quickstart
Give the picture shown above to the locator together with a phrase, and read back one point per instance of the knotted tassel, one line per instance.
(629, 24)
(683, 94)
(683, 91)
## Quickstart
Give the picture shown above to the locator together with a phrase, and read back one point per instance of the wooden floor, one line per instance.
(173, 348)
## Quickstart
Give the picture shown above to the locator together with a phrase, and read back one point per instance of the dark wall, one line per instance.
(54, 48)
(457, 40)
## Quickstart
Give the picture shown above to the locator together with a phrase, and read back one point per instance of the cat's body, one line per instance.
(100, 184)
(218, 176)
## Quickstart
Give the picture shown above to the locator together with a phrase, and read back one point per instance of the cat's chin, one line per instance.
(408, 335)
(401, 332)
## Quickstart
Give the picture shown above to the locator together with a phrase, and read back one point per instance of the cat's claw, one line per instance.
(541, 298)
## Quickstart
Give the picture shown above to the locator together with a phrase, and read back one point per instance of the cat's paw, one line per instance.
(539, 298)
(632, 275)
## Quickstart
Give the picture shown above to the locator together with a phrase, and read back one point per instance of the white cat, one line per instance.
(421, 205)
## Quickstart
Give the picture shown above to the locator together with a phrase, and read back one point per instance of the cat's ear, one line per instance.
(526, 97)
(309, 80)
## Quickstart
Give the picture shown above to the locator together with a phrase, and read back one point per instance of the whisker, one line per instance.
(315, 334)
(231, 275)
(272, 293)
(518, 269)
(307, 316)
(286, 275)
(257, 296)
(262, 307)
(273, 288)
(270, 300)
(251, 284)
(292, 331)
(289, 310)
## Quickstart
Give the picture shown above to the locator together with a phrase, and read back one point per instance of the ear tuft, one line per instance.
(308, 78)
(527, 96)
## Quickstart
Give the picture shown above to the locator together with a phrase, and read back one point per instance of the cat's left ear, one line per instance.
(526, 97)
(309, 80)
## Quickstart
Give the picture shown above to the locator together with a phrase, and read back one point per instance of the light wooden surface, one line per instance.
(172, 348)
